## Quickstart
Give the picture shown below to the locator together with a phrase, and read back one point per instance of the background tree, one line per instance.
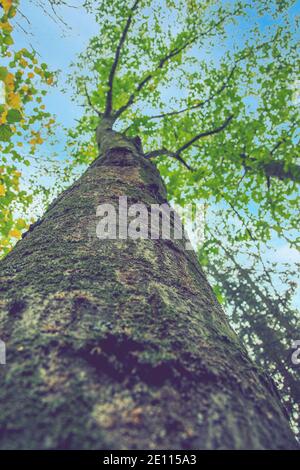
(259, 297)
(24, 124)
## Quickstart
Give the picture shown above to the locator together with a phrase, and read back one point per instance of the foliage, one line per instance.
(216, 106)
(259, 297)
(24, 123)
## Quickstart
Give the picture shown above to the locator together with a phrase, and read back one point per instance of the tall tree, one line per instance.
(121, 343)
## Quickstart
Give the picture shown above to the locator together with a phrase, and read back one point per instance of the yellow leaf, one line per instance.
(21, 223)
(15, 182)
(3, 117)
(7, 4)
(14, 100)
(15, 233)
(9, 81)
(31, 75)
(2, 190)
(6, 27)
(23, 63)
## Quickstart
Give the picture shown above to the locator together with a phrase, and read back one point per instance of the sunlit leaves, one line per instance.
(10, 228)
(13, 115)
(5, 130)
(23, 121)
(6, 4)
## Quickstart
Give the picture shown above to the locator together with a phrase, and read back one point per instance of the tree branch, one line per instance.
(148, 77)
(275, 168)
(205, 134)
(240, 218)
(169, 153)
(201, 103)
(90, 102)
(214, 94)
(109, 96)
(172, 53)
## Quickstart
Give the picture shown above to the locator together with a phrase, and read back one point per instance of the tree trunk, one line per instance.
(121, 344)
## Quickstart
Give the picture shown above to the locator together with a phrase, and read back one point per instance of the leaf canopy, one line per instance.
(211, 88)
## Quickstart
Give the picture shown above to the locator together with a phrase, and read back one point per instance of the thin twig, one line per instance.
(169, 153)
(90, 102)
(200, 104)
(171, 54)
(205, 134)
(113, 69)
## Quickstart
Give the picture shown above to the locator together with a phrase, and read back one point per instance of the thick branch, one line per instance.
(109, 95)
(148, 77)
(279, 169)
(275, 168)
(168, 153)
(205, 134)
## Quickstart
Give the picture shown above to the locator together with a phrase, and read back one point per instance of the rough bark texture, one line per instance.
(121, 344)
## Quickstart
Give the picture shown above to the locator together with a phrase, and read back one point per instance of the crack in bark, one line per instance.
(118, 358)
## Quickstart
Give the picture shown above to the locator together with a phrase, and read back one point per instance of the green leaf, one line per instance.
(5, 133)
(3, 73)
(13, 115)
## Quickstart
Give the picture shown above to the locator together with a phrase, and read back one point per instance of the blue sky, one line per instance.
(57, 45)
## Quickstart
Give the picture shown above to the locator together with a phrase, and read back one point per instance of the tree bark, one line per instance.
(121, 344)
